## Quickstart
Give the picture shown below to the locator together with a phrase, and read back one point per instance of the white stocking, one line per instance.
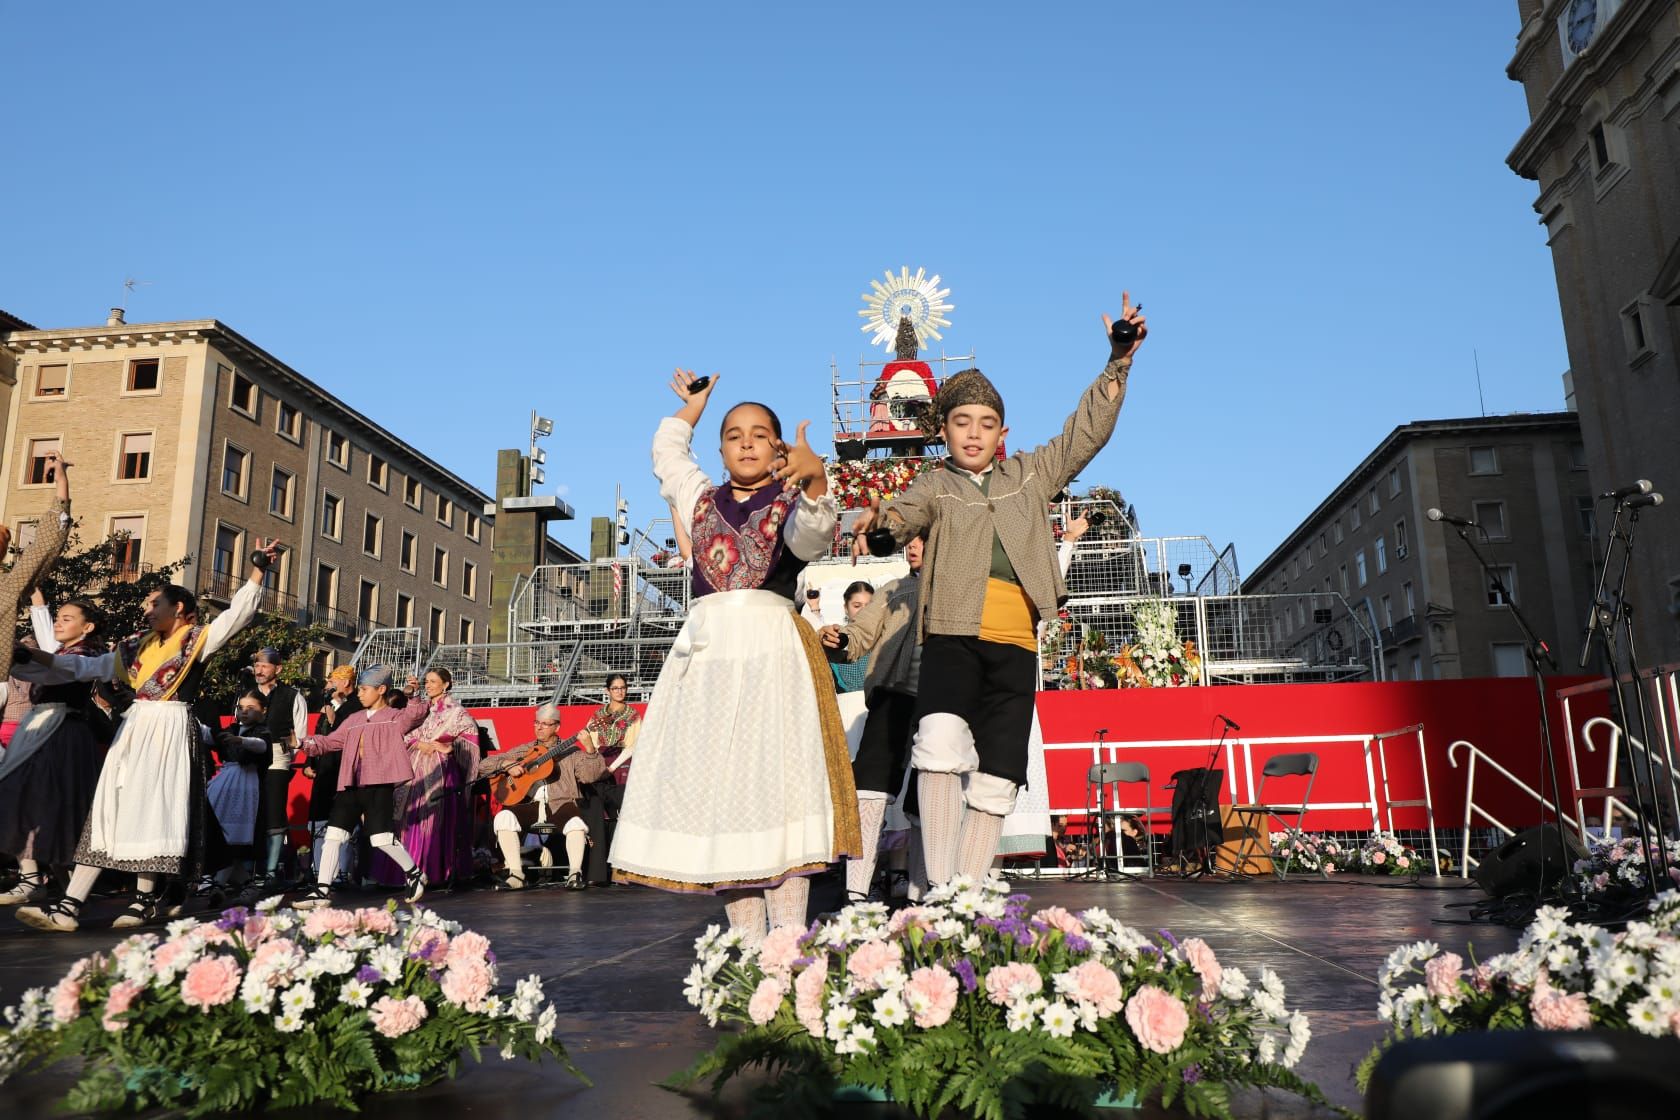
(860, 872)
(746, 913)
(941, 797)
(788, 903)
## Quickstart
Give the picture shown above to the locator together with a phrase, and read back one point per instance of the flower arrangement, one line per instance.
(1308, 851)
(274, 1008)
(1384, 854)
(1615, 869)
(1052, 641)
(1158, 658)
(976, 1001)
(1563, 976)
(856, 483)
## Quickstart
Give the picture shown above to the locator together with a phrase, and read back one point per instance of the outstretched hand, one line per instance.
(866, 519)
(799, 464)
(1130, 314)
(682, 384)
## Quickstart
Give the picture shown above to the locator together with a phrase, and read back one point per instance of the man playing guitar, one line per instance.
(541, 781)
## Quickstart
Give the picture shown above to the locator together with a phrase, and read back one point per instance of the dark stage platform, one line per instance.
(613, 960)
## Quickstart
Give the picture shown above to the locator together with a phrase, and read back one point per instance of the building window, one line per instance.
(406, 558)
(1345, 588)
(52, 381)
(1401, 545)
(1359, 567)
(1586, 515)
(274, 576)
(1323, 547)
(1336, 530)
(1509, 659)
(1417, 667)
(1600, 145)
(332, 516)
(367, 601)
(469, 579)
(440, 567)
(1388, 611)
(326, 586)
(1371, 502)
(1411, 601)
(1491, 517)
(1501, 575)
(1301, 613)
(1294, 569)
(466, 631)
(1354, 518)
(405, 611)
(128, 541)
(280, 493)
(472, 527)
(243, 396)
(235, 465)
(437, 626)
(1484, 460)
(288, 422)
(224, 558)
(377, 472)
(1382, 556)
(1306, 554)
(134, 456)
(1394, 482)
(411, 493)
(1634, 335)
(143, 375)
(39, 449)
(445, 511)
(373, 535)
(338, 450)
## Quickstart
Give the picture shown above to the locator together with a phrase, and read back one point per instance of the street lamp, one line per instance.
(541, 428)
(1184, 574)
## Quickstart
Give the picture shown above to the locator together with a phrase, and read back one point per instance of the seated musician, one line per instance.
(554, 798)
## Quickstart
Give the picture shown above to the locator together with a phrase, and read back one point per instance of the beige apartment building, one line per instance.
(1523, 479)
(1602, 80)
(196, 442)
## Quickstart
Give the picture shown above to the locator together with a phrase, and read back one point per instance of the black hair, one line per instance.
(90, 613)
(611, 677)
(855, 587)
(177, 596)
(775, 421)
(257, 695)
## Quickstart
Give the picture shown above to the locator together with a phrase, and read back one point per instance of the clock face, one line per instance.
(1582, 22)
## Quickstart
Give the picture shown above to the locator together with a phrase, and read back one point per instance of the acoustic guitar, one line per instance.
(539, 768)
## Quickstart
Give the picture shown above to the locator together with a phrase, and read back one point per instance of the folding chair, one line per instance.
(1101, 819)
(1262, 812)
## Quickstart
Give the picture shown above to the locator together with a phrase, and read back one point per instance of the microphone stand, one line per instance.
(1539, 654)
(1201, 792)
(1649, 811)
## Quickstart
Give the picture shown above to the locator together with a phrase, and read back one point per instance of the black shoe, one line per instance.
(574, 882)
(146, 909)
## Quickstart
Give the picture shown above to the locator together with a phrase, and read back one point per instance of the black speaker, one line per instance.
(1515, 866)
(1522, 1075)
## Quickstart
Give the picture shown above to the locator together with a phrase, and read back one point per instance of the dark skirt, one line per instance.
(44, 802)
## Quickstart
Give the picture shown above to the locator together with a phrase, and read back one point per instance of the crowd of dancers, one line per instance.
(744, 785)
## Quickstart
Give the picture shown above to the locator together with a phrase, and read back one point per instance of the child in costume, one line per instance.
(742, 785)
(989, 574)
(235, 793)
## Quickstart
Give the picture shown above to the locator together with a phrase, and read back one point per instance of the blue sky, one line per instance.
(451, 214)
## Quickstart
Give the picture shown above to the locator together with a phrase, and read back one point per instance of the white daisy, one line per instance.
(355, 993)
(890, 1011)
(1058, 1020)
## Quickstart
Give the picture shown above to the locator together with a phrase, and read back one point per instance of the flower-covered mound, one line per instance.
(1310, 851)
(274, 1008)
(977, 1001)
(1384, 854)
(1562, 976)
(1615, 870)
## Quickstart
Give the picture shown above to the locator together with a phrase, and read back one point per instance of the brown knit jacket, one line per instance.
(958, 520)
(884, 629)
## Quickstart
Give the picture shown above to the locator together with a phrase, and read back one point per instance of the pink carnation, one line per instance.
(1207, 966)
(1157, 1018)
(374, 920)
(1057, 918)
(870, 959)
(1329, 867)
(209, 934)
(467, 983)
(339, 923)
(276, 956)
(1096, 984)
(394, 1018)
(907, 917)
(210, 982)
(766, 1000)
(1674, 1023)
(167, 958)
(1379, 857)
(1482, 978)
(1441, 975)
(1556, 1010)
(1010, 982)
(120, 1000)
(466, 947)
(780, 949)
(1404, 862)
(428, 943)
(808, 993)
(91, 963)
(258, 929)
(932, 995)
(66, 1000)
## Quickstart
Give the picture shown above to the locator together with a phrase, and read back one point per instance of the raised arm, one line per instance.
(1092, 422)
(41, 622)
(681, 481)
(242, 608)
(41, 554)
(883, 529)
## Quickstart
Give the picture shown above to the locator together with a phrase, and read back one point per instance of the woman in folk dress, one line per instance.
(742, 782)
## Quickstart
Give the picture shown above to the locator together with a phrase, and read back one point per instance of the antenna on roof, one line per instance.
(129, 284)
(1481, 400)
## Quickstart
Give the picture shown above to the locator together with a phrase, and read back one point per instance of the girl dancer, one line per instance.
(742, 782)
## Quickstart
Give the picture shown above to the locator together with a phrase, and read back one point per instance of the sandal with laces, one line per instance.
(29, 884)
(415, 881)
(146, 909)
(62, 916)
(313, 897)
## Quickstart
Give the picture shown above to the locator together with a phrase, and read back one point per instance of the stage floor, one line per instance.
(612, 960)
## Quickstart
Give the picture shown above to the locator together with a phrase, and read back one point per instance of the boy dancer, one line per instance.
(989, 573)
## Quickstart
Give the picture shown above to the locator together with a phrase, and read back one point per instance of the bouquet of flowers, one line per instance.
(1563, 976)
(278, 1009)
(976, 1001)
(1616, 868)
(1054, 639)
(857, 483)
(1383, 854)
(1158, 658)
(1308, 851)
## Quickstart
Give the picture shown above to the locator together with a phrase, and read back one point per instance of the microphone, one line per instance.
(1228, 722)
(1643, 486)
(1643, 500)
(1102, 731)
(1436, 515)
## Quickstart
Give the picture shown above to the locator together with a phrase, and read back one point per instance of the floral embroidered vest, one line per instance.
(171, 675)
(748, 558)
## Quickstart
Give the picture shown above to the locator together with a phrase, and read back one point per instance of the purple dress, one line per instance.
(433, 809)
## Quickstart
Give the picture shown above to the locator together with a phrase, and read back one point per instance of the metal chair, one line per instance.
(1100, 815)
(1262, 812)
